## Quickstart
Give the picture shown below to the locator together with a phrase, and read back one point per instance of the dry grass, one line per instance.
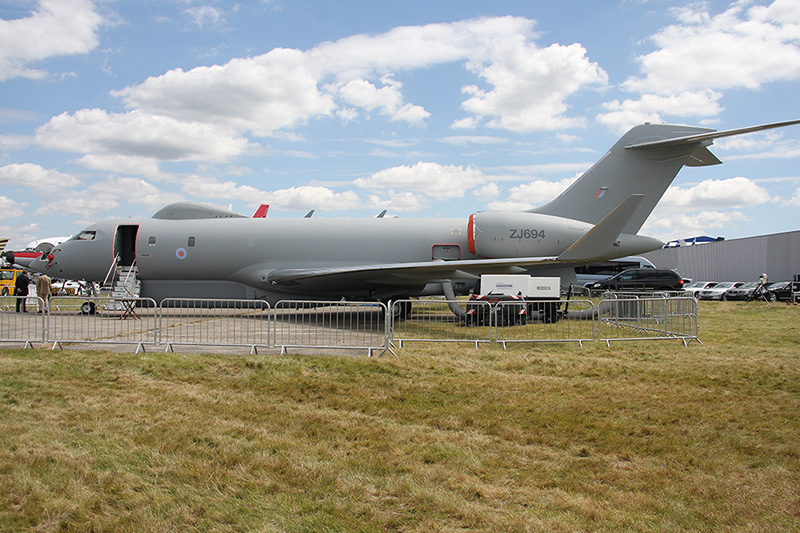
(639, 436)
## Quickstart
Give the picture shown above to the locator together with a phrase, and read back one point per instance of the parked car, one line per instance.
(642, 279)
(588, 274)
(696, 286)
(742, 292)
(781, 291)
(716, 292)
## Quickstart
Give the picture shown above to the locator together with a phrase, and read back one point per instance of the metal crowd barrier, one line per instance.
(330, 325)
(575, 323)
(27, 327)
(201, 322)
(648, 318)
(341, 324)
(433, 321)
(103, 320)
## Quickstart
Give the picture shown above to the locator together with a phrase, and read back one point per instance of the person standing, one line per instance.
(44, 291)
(21, 290)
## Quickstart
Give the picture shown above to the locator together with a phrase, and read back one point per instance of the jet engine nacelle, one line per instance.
(502, 234)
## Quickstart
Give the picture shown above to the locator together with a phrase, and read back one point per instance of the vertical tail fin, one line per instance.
(644, 161)
(624, 171)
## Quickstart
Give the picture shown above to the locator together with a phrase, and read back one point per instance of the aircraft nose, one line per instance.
(39, 264)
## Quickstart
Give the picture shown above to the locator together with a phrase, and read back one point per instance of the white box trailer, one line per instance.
(521, 285)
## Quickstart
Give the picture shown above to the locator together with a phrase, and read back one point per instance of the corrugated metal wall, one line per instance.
(735, 260)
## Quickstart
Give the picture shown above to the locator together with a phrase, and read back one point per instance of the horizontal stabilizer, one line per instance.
(688, 139)
(598, 241)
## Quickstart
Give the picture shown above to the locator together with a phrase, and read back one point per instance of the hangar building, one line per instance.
(744, 259)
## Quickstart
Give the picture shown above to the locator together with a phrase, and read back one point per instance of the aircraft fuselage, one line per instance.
(234, 257)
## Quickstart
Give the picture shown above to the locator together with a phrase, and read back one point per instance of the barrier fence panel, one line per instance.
(647, 318)
(574, 321)
(102, 320)
(330, 325)
(27, 327)
(434, 321)
(343, 325)
(682, 317)
(214, 322)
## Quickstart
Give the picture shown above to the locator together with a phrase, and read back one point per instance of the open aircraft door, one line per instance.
(125, 244)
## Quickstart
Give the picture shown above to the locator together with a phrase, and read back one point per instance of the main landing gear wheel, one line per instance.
(400, 310)
(88, 308)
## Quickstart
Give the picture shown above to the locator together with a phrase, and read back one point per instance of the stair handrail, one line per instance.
(131, 271)
(111, 270)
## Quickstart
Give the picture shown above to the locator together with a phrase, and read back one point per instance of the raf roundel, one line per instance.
(180, 253)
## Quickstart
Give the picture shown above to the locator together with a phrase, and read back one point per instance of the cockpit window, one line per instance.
(85, 236)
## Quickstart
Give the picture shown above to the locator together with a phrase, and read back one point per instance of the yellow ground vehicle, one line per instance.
(8, 276)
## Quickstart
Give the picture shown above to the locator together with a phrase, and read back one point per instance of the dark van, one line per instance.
(642, 279)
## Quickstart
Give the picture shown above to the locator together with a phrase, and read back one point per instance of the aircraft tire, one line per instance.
(5, 291)
(88, 308)
(400, 310)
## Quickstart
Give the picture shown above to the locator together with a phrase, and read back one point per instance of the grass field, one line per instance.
(647, 436)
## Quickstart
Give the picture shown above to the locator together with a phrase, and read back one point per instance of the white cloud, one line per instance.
(398, 201)
(205, 15)
(285, 88)
(466, 140)
(279, 89)
(795, 199)
(488, 191)
(683, 225)
(104, 196)
(9, 208)
(91, 201)
(206, 187)
(531, 194)
(122, 164)
(138, 134)
(530, 85)
(433, 179)
(735, 49)
(49, 182)
(141, 192)
(788, 149)
(650, 108)
(56, 28)
(704, 54)
(388, 99)
(309, 197)
(715, 194)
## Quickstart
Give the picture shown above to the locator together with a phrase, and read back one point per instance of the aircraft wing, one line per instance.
(408, 273)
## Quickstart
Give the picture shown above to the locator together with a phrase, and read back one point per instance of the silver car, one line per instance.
(717, 291)
(743, 292)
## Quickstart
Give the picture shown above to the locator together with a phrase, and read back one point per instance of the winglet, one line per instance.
(598, 241)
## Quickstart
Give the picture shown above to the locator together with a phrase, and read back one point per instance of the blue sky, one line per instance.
(424, 108)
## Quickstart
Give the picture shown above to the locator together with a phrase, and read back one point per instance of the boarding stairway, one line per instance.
(128, 284)
(121, 282)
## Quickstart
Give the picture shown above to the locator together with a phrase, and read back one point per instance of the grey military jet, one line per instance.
(189, 250)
